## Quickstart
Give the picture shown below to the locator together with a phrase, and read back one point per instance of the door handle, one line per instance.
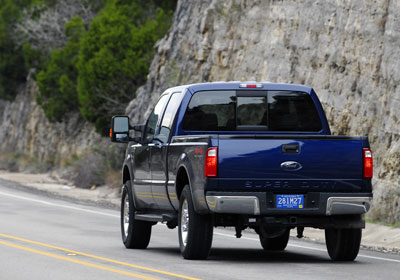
(291, 148)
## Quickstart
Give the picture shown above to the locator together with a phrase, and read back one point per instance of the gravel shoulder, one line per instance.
(376, 237)
(50, 185)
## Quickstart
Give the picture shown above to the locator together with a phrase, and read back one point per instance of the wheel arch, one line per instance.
(182, 179)
(188, 174)
(126, 175)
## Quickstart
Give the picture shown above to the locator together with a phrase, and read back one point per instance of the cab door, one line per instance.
(141, 159)
(158, 153)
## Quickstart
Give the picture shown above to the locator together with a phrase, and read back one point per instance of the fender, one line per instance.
(196, 183)
(131, 177)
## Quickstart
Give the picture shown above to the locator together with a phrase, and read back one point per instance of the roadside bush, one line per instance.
(9, 162)
(100, 166)
(17, 162)
(89, 171)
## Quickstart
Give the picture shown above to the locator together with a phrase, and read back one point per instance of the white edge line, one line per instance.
(58, 205)
(309, 248)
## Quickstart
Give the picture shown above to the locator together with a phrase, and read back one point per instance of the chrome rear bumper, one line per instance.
(234, 204)
(347, 205)
(250, 205)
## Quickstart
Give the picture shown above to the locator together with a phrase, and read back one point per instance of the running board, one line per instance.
(156, 217)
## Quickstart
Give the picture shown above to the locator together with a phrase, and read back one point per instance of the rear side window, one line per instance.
(153, 119)
(168, 117)
(251, 111)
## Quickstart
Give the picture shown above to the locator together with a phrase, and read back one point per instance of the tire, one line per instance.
(135, 234)
(195, 231)
(343, 244)
(278, 243)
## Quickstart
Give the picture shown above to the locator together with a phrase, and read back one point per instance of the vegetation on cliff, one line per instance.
(57, 81)
(90, 56)
(12, 68)
(115, 55)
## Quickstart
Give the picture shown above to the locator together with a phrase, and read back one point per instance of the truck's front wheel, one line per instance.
(135, 234)
(343, 244)
(195, 230)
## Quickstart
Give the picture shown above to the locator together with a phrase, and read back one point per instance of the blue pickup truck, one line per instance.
(242, 155)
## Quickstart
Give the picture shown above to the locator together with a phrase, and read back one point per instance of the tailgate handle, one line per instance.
(291, 149)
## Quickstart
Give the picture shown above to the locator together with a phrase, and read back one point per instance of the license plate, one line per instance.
(290, 201)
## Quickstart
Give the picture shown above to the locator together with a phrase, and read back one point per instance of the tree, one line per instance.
(12, 67)
(57, 82)
(42, 24)
(115, 56)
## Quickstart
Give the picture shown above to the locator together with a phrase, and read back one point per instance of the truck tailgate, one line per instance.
(292, 163)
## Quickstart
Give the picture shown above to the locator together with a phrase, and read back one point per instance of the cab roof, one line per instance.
(236, 85)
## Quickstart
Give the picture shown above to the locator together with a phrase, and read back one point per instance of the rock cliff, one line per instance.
(26, 132)
(347, 50)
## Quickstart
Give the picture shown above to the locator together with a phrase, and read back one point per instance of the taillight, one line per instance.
(368, 163)
(211, 164)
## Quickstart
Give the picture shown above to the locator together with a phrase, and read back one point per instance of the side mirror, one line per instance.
(119, 131)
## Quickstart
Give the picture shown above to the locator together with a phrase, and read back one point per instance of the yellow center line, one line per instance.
(99, 258)
(78, 261)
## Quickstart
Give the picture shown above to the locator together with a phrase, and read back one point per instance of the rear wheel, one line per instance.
(343, 244)
(195, 230)
(135, 234)
(278, 243)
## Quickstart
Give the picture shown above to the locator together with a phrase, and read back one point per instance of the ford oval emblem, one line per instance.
(291, 165)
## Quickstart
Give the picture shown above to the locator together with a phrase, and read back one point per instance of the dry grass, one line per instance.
(113, 178)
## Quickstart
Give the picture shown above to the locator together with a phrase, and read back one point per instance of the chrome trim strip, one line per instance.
(189, 144)
(140, 181)
(234, 204)
(347, 205)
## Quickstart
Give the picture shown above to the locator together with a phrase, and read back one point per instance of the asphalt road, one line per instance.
(45, 238)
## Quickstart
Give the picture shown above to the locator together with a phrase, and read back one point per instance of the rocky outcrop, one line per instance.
(26, 132)
(347, 50)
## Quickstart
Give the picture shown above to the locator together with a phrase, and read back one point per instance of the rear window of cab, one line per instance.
(251, 111)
